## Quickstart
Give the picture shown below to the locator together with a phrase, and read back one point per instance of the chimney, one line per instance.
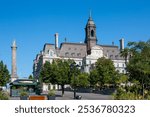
(121, 44)
(56, 41)
(113, 43)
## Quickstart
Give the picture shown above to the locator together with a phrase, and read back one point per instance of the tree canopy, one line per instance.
(139, 64)
(106, 71)
(57, 72)
(94, 78)
(30, 77)
(138, 71)
(4, 74)
(80, 80)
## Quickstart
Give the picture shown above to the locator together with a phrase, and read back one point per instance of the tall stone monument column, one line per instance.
(14, 75)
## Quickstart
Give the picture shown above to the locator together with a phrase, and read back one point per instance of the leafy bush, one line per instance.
(4, 95)
(121, 94)
(51, 93)
(23, 93)
(133, 92)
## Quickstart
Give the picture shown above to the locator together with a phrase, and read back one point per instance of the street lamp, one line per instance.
(73, 66)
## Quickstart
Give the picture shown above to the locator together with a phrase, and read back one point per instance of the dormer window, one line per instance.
(72, 54)
(78, 54)
(67, 54)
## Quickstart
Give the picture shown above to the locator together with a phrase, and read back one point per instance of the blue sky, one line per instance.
(32, 23)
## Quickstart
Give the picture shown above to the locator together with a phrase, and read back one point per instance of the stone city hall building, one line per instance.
(84, 54)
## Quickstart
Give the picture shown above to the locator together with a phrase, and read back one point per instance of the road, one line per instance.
(69, 95)
(85, 96)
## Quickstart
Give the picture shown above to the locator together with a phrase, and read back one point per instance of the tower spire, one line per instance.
(90, 14)
(90, 31)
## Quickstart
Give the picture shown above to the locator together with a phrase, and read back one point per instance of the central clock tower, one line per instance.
(90, 32)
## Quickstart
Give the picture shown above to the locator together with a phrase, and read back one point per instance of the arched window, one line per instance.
(92, 33)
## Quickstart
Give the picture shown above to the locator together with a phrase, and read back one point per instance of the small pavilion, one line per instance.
(27, 85)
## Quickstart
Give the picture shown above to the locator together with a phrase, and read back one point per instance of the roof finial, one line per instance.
(90, 13)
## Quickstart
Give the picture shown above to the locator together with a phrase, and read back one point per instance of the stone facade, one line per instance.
(84, 54)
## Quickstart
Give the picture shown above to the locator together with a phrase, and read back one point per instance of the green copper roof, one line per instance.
(24, 82)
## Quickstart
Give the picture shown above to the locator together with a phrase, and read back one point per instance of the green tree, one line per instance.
(48, 73)
(45, 72)
(139, 64)
(30, 77)
(63, 73)
(81, 80)
(122, 79)
(57, 72)
(94, 78)
(4, 74)
(106, 71)
(125, 53)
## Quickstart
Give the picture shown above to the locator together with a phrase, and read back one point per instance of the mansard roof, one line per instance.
(73, 50)
(112, 46)
(48, 46)
(112, 52)
(66, 43)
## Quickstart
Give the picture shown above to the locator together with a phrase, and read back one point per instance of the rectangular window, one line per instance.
(116, 56)
(72, 54)
(90, 62)
(80, 63)
(111, 56)
(47, 51)
(51, 53)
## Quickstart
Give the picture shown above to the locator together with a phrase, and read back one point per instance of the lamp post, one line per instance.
(73, 66)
